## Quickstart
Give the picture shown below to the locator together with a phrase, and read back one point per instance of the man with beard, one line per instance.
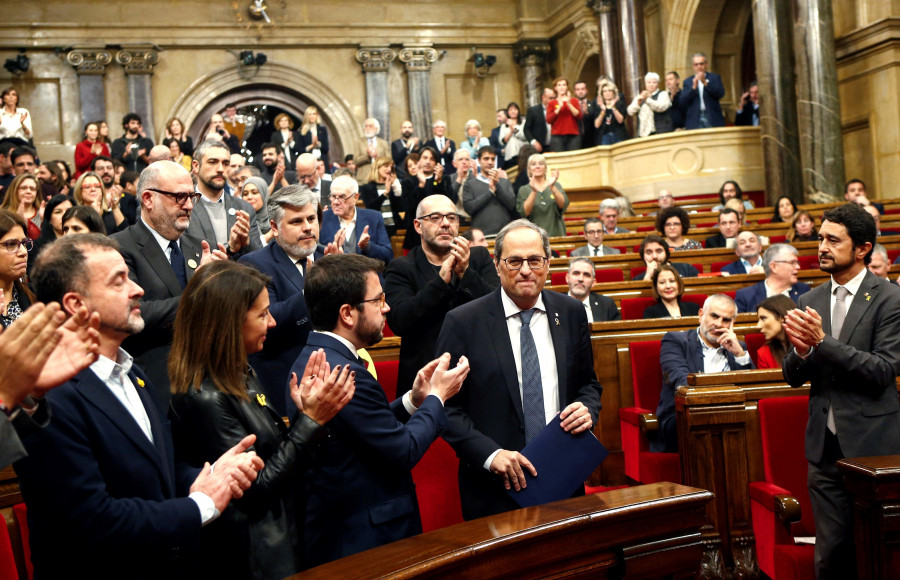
(781, 265)
(371, 146)
(580, 279)
(404, 147)
(273, 170)
(655, 252)
(748, 248)
(131, 148)
(222, 220)
(433, 279)
(589, 110)
(428, 180)
(361, 492)
(161, 258)
(846, 343)
(104, 167)
(295, 215)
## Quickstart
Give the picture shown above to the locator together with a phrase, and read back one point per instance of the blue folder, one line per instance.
(563, 462)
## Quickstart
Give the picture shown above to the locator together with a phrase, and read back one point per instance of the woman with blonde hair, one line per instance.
(313, 136)
(543, 201)
(175, 131)
(610, 121)
(286, 139)
(23, 200)
(382, 192)
(89, 191)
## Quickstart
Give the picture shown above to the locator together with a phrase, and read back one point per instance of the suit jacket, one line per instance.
(420, 299)
(201, 226)
(149, 268)
(101, 496)
(445, 159)
(744, 117)
(684, 270)
(659, 310)
(690, 101)
(680, 354)
(304, 141)
(292, 323)
(536, 126)
(716, 241)
(604, 309)
(855, 373)
(379, 241)
(497, 144)
(361, 159)
(10, 447)
(748, 299)
(290, 153)
(487, 413)
(360, 491)
(399, 153)
(489, 211)
(324, 191)
(735, 268)
(585, 250)
(413, 194)
(676, 112)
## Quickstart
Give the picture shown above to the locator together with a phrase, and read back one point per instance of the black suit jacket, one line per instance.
(201, 226)
(536, 126)
(716, 241)
(604, 309)
(399, 153)
(420, 299)
(659, 310)
(445, 159)
(690, 101)
(290, 153)
(149, 268)
(487, 413)
(304, 141)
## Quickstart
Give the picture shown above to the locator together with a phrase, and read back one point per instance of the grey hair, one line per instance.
(345, 181)
(651, 76)
(461, 153)
(439, 123)
(879, 249)
(584, 259)
(375, 122)
(774, 252)
(149, 179)
(755, 235)
(609, 203)
(696, 54)
(515, 225)
(710, 300)
(473, 123)
(200, 151)
(296, 195)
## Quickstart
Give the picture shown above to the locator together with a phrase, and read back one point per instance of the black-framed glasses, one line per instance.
(436, 218)
(515, 264)
(793, 263)
(378, 300)
(12, 246)
(180, 197)
(335, 197)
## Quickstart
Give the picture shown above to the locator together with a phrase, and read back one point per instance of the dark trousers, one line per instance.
(565, 142)
(833, 513)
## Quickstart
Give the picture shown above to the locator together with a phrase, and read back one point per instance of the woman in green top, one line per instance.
(543, 200)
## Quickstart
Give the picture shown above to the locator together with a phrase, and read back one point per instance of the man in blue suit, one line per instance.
(748, 248)
(781, 266)
(102, 488)
(356, 230)
(700, 96)
(711, 348)
(360, 489)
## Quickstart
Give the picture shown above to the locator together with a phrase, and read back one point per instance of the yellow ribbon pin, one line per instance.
(140, 382)
(261, 399)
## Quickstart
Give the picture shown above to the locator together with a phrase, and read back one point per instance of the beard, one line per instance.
(368, 332)
(295, 250)
(407, 134)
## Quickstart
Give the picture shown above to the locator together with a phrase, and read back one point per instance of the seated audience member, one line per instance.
(217, 402)
(360, 491)
(580, 279)
(51, 226)
(593, 233)
(650, 106)
(668, 288)
(609, 213)
(488, 198)
(737, 206)
(82, 219)
(475, 238)
(423, 286)
(881, 263)
(729, 226)
(731, 190)
(355, 230)
(255, 191)
(543, 201)
(748, 249)
(803, 228)
(103, 490)
(748, 108)
(563, 115)
(625, 207)
(382, 193)
(610, 121)
(855, 191)
(15, 296)
(474, 139)
(655, 252)
(785, 208)
(876, 215)
(781, 267)
(665, 199)
(771, 313)
(22, 199)
(673, 223)
(426, 180)
(89, 191)
(7, 171)
(711, 348)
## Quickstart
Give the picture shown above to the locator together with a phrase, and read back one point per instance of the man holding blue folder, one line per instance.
(530, 358)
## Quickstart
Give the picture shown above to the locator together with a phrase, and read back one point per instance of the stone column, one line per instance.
(777, 99)
(138, 61)
(375, 63)
(530, 55)
(631, 21)
(90, 66)
(607, 24)
(418, 59)
(818, 105)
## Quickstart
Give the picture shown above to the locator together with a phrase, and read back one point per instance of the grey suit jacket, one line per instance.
(201, 226)
(489, 211)
(855, 373)
(585, 250)
(10, 447)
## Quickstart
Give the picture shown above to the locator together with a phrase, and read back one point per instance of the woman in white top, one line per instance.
(512, 135)
(15, 122)
(649, 102)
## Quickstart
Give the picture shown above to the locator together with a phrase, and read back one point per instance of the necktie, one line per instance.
(837, 323)
(532, 388)
(596, 251)
(177, 261)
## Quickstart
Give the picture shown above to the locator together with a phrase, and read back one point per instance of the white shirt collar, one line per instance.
(352, 220)
(853, 285)
(510, 308)
(342, 340)
(103, 367)
(163, 242)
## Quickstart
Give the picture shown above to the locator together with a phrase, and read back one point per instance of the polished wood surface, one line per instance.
(649, 531)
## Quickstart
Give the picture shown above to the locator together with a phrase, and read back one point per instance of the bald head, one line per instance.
(435, 204)
(159, 153)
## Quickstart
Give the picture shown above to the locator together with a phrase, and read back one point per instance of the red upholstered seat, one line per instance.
(437, 487)
(755, 341)
(777, 239)
(782, 422)
(21, 514)
(717, 266)
(387, 376)
(387, 330)
(640, 463)
(7, 559)
(809, 262)
(605, 275)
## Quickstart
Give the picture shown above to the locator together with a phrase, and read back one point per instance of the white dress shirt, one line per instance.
(715, 359)
(587, 307)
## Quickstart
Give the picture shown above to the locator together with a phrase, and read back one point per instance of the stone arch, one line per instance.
(586, 45)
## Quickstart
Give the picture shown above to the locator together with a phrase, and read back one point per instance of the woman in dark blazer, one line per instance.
(668, 287)
(313, 136)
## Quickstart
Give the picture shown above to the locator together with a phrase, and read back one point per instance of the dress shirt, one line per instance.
(308, 260)
(349, 226)
(11, 124)
(770, 292)
(163, 242)
(587, 307)
(747, 265)
(700, 88)
(715, 360)
(596, 250)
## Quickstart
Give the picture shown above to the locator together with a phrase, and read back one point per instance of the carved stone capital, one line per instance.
(531, 52)
(375, 59)
(589, 37)
(138, 59)
(601, 6)
(418, 58)
(89, 61)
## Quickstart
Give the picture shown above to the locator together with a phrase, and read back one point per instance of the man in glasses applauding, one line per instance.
(356, 230)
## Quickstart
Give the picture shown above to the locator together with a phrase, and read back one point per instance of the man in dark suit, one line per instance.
(161, 258)
(580, 279)
(272, 169)
(356, 230)
(103, 490)
(748, 113)
(308, 175)
(496, 143)
(361, 492)
(219, 219)
(748, 248)
(444, 146)
(509, 399)
(700, 96)
(781, 266)
(593, 233)
(846, 339)
(729, 226)
(403, 147)
(537, 130)
(711, 348)
(488, 197)
(434, 278)
(676, 111)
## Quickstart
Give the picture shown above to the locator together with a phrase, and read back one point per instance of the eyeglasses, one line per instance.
(534, 262)
(313, 175)
(379, 300)
(673, 225)
(793, 263)
(436, 218)
(180, 197)
(335, 198)
(12, 246)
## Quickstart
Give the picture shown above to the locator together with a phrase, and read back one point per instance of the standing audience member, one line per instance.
(580, 280)
(444, 147)
(495, 135)
(427, 179)
(313, 137)
(15, 121)
(610, 121)
(285, 138)
(89, 149)
(15, 296)
(667, 290)
(700, 96)
(175, 132)
(748, 108)
(255, 192)
(771, 313)
(51, 225)
(371, 146)
(132, 148)
(23, 160)
(563, 115)
(673, 87)
(82, 219)
(106, 169)
(383, 193)
(355, 230)
(543, 201)
(89, 191)
(488, 198)
(537, 129)
(474, 139)
(403, 147)
(588, 114)
(512, 136)
(651, 106)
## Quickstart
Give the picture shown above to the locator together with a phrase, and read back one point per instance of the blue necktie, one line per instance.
(177, 261)
(532, 388)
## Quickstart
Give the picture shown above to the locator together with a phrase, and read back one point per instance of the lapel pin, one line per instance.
(192, 264)
(556, 314)
(868, 298)
(261, 399)
(231, 211)
(140, 382)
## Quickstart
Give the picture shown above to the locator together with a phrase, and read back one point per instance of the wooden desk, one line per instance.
(650, 531)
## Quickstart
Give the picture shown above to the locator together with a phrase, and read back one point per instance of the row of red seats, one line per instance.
(8, 568)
